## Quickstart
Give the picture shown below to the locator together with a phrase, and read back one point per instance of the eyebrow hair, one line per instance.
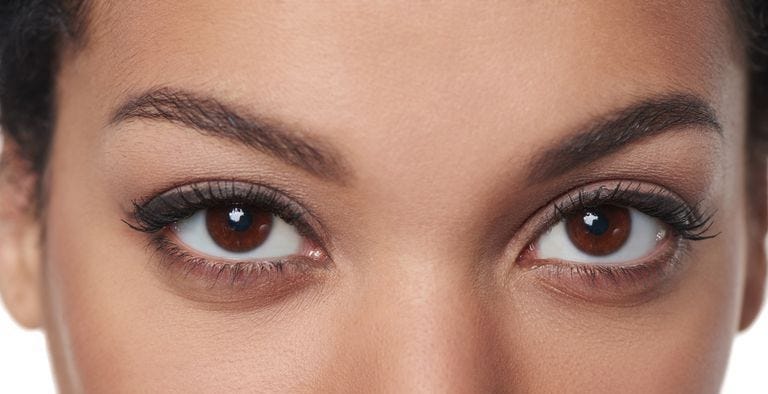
(621, 128)
(212, 117)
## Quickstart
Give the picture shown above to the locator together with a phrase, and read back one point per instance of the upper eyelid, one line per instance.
(632, 194)
(219, 186)
(595, 192)
(603, 194)
(194, 188)
(208, 183)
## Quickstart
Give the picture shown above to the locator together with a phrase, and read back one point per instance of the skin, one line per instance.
(436, 110)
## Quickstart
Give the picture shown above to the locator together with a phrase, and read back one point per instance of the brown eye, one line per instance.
(599, 231)
(238, 228)
(239, 232)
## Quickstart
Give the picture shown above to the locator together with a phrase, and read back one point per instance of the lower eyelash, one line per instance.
(612, 285)
(235, 285)
(233, 274)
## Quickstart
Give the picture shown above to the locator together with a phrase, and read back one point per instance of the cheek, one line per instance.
(679, 342)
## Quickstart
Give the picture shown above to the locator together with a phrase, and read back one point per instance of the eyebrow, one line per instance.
(212, 117)
(610, 133)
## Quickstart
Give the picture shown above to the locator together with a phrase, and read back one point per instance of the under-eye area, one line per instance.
(614, 242)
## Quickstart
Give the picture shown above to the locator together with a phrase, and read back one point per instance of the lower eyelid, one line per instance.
(625, 285)
(231, 284)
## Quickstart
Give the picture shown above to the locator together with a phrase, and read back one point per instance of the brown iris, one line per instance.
(599, 231)
(238, 228)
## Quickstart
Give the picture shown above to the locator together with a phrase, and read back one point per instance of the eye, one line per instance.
(240, 233)
(606, 234)
(233, 244)
(614, 244)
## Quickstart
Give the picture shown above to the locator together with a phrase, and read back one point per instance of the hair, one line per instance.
(32, 33)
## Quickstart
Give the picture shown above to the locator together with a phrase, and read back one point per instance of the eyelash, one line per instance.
(154, 215)
(688, 222)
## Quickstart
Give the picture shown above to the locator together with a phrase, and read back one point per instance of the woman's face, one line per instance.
(466, 198)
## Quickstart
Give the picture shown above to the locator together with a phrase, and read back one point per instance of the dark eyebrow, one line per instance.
(612, 132)
(212, 117)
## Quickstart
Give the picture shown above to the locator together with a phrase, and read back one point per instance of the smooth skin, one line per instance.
(436, 109)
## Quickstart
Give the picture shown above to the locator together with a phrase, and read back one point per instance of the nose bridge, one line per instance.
(427, 331)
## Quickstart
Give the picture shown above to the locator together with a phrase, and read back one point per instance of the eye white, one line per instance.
(283, 240)
(644, 236)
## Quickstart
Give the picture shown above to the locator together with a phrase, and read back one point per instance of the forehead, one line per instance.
(491, 77)
(288, 55)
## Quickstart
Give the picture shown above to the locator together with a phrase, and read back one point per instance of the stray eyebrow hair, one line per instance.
(624, 127)
(212, 117)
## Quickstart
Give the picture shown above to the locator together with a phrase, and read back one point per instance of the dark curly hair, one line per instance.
(31, 32)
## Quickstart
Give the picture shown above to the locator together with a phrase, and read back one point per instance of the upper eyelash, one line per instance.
(689, 221)
(156, 213)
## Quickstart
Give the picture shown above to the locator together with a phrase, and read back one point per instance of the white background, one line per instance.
(24, 363)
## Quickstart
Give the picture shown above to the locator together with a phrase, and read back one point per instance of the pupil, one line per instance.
(239, 219)
(596, 222)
